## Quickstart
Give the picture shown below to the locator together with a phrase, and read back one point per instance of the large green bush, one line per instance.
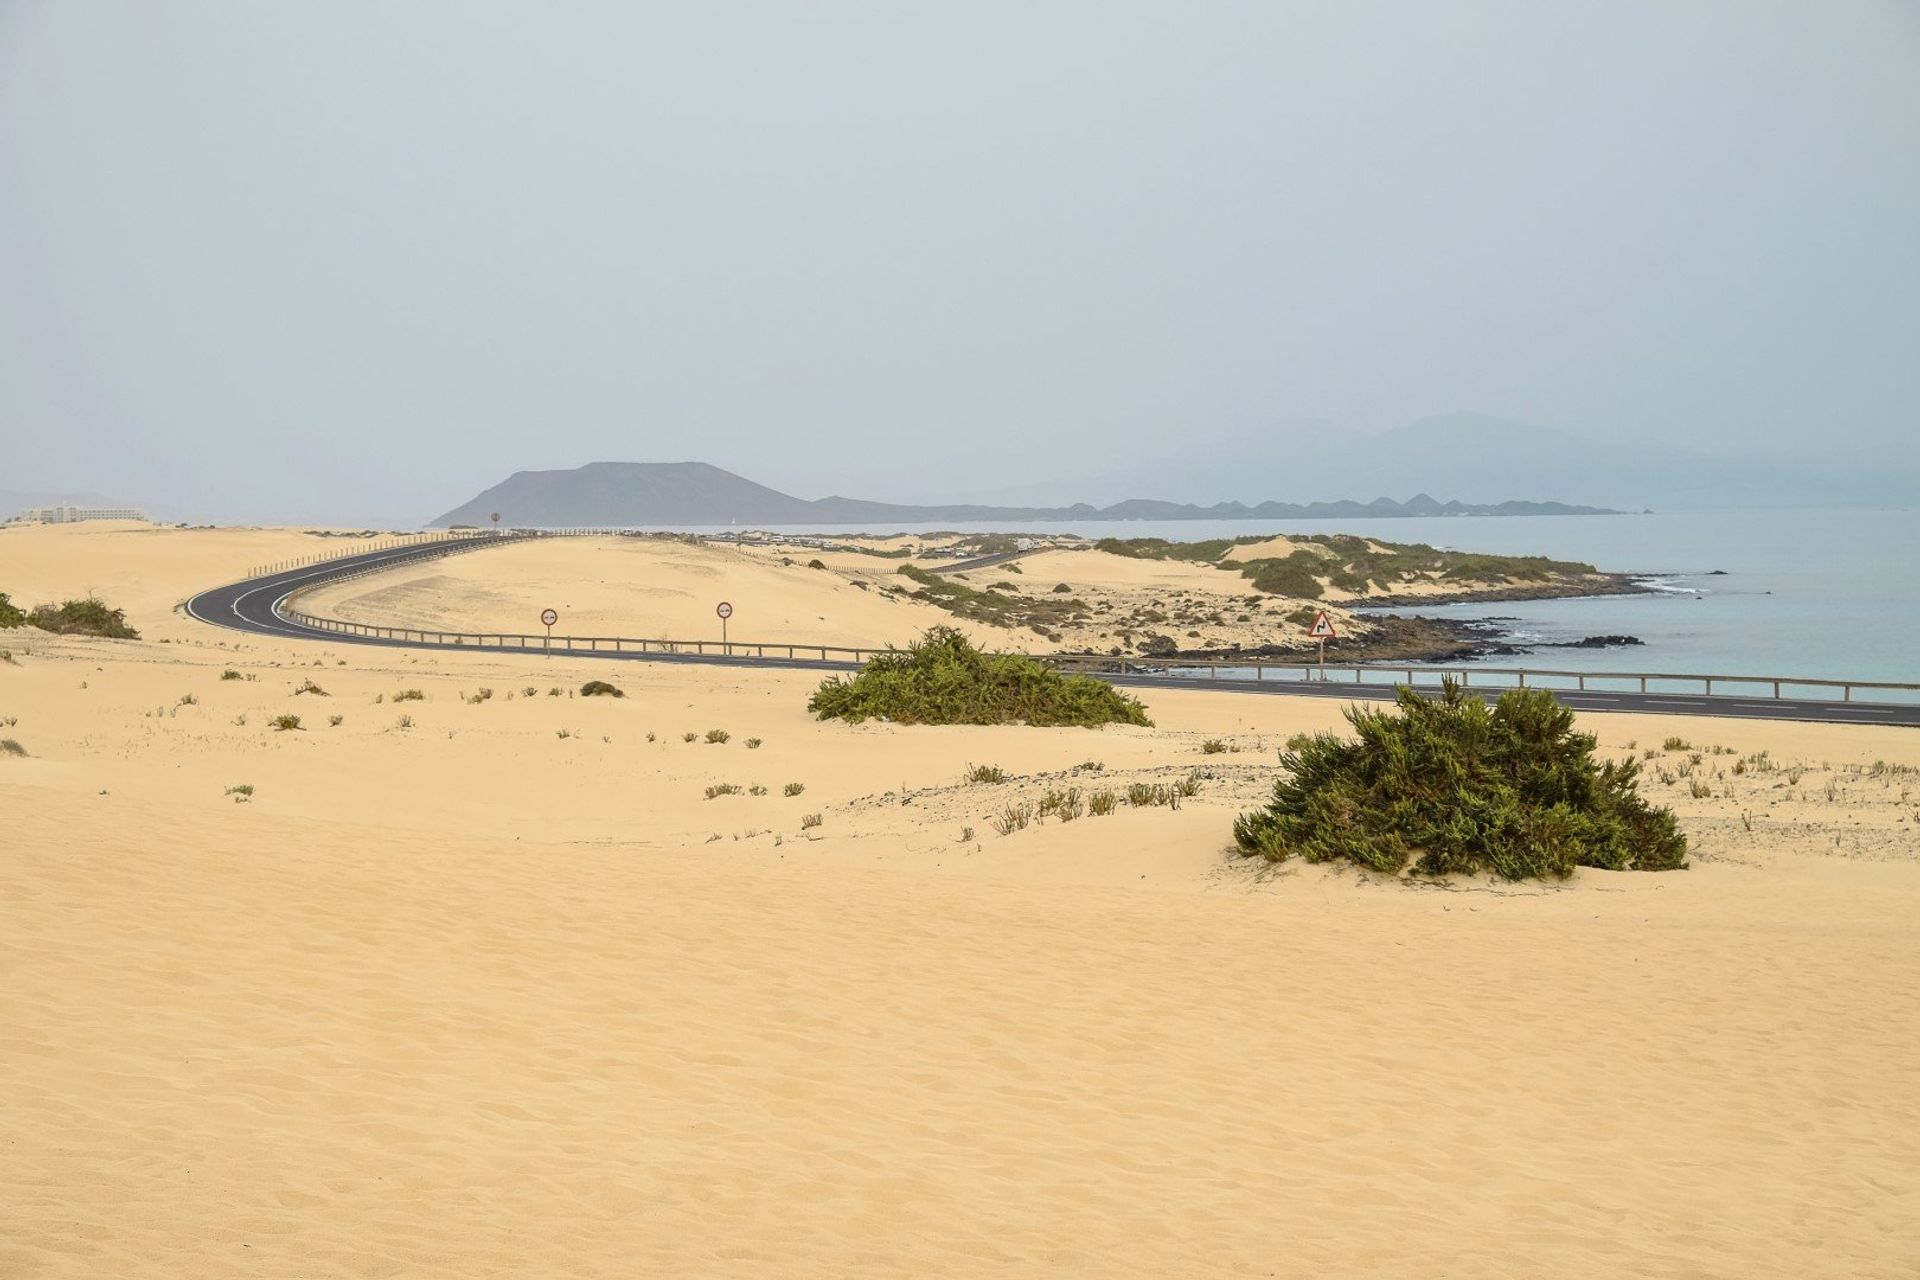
(942, 679)
(1452, 784)
(89, 617)
(10, 613)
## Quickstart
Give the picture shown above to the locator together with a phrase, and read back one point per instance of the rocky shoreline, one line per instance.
(1610, 584)
(1413, 638)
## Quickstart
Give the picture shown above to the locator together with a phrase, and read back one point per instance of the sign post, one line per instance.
(549, 617)
(725, 610)
(1321, 629)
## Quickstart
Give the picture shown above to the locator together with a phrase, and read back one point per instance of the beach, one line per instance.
(481, 982)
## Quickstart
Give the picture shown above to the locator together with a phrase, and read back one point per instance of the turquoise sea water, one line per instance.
(1833, 594)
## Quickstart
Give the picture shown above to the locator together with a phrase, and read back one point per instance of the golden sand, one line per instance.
(470, 997)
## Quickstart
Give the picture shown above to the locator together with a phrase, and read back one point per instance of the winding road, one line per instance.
(255, 605)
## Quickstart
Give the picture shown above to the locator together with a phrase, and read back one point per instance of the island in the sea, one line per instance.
(640, 494)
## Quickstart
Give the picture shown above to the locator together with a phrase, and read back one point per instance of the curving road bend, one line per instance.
(254, 606)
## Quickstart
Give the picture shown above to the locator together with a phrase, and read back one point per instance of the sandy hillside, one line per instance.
(645, 587)
(482, 983)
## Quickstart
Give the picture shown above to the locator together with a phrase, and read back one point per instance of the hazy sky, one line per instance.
(360, 260)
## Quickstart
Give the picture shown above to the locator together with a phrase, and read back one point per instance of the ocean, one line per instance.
(1830, 594)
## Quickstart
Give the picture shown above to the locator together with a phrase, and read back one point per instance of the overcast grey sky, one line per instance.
(360, 260)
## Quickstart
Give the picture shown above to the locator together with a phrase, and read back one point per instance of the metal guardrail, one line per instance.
(1776, 687)
(383, 544)
(1201, 669)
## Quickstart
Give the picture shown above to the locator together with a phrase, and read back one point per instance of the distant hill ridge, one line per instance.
(604, 494)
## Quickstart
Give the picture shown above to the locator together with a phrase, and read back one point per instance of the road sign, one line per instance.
(724, 609)
(1322, 628)
(549, 617)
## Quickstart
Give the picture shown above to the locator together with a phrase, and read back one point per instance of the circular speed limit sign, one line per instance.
(724, 609)
(549, 617)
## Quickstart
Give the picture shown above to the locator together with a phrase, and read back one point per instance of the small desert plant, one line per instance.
(816, 564)
(563, 734)
(1089, 766)
(308, 686)
(942, 679)
(1699, 790)
(187, 700)
(1455, 785)
(717, 737)
(480, 696)
(1065, 805)
(1212, 747)
(89, 617)
(529, 692)
(282, 723)
(793, 789)
(966, 835)
(11, 747)
(555, 692)
(244, 790)
(756, 790)
(1677, 744)
(1102, 803)
(1189, 785)
(753, 744)
(404, 722)
(334, 722)
(1012, 818)
(241, 719)
(230, 674)
(410, 695)
(689, 737)
(11, 614)
(985, 773)
(810, 821)
(600, 689)
(722, 789)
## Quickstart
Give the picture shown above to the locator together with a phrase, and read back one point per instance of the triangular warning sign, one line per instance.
(1322, 628)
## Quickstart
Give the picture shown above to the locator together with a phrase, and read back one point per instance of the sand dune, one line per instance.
(468, 997)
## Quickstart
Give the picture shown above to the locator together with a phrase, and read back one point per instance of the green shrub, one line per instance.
(11, 747)
(11, 615)
(718, 737)
(985, 773)
(599, 689)
(1451, 784)
(793, 788)
(810, 821)
(89, 617)
(409, 695)
(310, 687)
(283, 723)
(943, 679)
(722, 789)
(230, 674)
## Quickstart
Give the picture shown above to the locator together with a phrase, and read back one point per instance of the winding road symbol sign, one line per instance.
(549, 617)
(1322, 627)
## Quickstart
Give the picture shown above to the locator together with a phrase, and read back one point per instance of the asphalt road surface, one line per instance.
(251, 606)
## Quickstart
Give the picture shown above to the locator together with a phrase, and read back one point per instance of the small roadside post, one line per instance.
(1321, 629)
(549, 617)
(725, 611)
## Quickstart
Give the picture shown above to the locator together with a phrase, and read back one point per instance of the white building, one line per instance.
(73, 515)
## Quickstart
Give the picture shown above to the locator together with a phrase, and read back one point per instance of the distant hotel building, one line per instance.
(73, 515)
